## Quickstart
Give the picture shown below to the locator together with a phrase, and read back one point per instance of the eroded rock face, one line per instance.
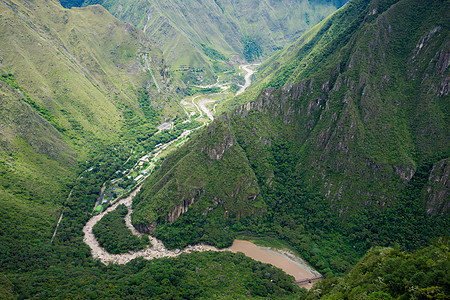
(147, 229)
(182, 208)
(220, 137)
(437, 195)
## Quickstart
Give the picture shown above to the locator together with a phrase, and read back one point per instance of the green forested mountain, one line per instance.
(387, 273)
(208, 35)
(69, 83)
(341, 145)
(344, 145)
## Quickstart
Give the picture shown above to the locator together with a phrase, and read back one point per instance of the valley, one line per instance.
(195, 106)
(224, 150)
(199, 110)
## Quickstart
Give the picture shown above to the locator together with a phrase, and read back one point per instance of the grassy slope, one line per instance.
(180, 28)
(73, 74)
(59, 65)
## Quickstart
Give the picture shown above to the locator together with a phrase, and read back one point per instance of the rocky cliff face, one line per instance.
(437, 196)
(216, 149)
(180, 209)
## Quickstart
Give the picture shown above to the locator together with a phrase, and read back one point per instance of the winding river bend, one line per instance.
(248, 79)
(157, 250)
(283, 259)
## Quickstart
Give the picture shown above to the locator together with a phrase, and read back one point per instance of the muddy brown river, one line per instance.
(282, 259)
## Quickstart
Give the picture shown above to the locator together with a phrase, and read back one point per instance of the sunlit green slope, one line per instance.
(69, 79)
(195, 34)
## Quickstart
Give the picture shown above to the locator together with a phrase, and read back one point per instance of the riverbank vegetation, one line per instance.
(113, 235)
(388, 273)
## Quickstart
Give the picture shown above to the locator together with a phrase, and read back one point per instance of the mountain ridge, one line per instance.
(211, 34)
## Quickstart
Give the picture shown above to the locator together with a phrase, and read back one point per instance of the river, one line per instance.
(283, 259)
(247, 77)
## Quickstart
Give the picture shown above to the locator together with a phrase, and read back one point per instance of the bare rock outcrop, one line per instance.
(182, 208)
(437, 195)
(220, 138)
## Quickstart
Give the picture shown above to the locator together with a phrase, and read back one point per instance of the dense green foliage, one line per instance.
(113, 235)
(195, 90)
(333, 141)
(187, 125)
(194, 229)
(214, 54)
(304, 220)
(252, 50)
(386, 273)
(65, 269)
(150, 113)
(404, 222)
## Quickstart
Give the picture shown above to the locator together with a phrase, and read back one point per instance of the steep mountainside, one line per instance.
(356, 110)
(69, 82)
(208, 33)
(80, 97)
(386, 273)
